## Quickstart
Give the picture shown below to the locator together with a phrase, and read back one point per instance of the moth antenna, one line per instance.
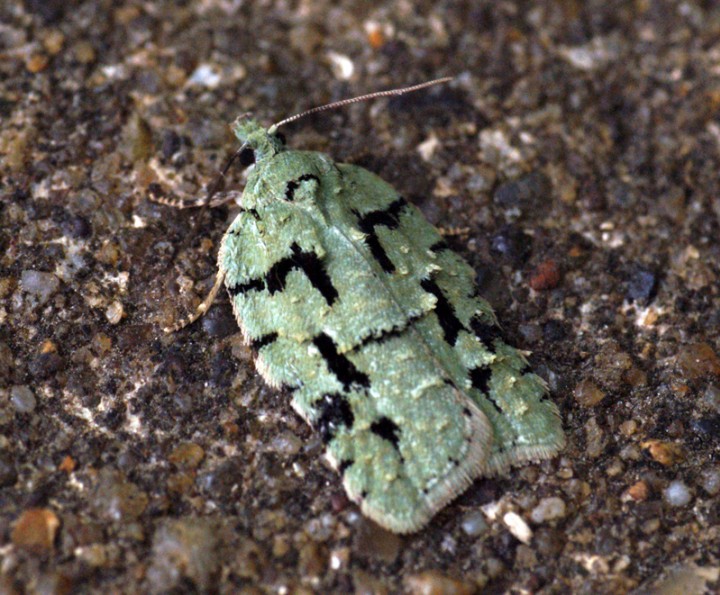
(336, 104)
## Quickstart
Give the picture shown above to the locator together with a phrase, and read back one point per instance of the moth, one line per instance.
(359, 310)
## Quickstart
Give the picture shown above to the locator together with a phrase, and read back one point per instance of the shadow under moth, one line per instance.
(356, 307)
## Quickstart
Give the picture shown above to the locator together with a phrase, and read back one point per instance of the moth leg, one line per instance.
(218, 200)
(449, 232)
(202, 308)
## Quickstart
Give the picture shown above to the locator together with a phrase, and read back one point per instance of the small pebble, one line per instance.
(39, 284)
(286, 443)
(548, 509)
(84, 52)
(639, 491)
(710, 481)
(187, 455)
(8, 472)
(712, 397)
(184, 556)
(473, 524)
(587, 393)
(665, 453)
(374, 542)
(525, 193)
(518, 527)
(677, 493)
(642, 286)
(115, 312)
(22, 399)
(116, 499)
(35, 530)
(698, 360)
(37, 63)
(546, 275)
(511, 244)
(432, 582)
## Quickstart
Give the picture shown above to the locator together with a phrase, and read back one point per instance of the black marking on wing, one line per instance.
(344, 370)
(334, 412)
(388, 430)
(260, 342)
(310, 264)
(439, 246)
(238, 288)
(480, 378)
(450, 323)
(344, 465)
(275, 278)
(390, 218)
(293, 185)
(487, 333)
(385, 335)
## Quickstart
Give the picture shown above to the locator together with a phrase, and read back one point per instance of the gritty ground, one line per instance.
(579, 145)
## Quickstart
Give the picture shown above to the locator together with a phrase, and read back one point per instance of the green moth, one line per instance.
(357, 308)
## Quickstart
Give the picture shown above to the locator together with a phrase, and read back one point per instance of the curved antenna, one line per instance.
(335, 104)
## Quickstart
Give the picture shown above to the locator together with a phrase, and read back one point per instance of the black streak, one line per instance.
(487, 333)
(293, 185)
(450, 324)
(344, 370)
(439, 246)
(388, 334)
(260, 342)
(387, 429)
(334, 412)
(310, 264)
(390, 218)
(344, 465)
(480, 378)
(238, 288)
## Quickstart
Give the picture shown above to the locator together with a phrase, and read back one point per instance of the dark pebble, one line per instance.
(553, 330)
(50, 11)
(222, 369)
(642, 286)
(526, 193)
(170, 144)
(46, 365)
(114, 417)
(512, 244)
(549, 542)
(8, 473)
(707, 427)
(6, 363)
(77, 226)
(219, 323)
(223, 483)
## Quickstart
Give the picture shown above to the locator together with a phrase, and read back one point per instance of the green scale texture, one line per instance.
(356, 305)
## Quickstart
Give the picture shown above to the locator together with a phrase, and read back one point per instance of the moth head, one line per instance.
(257, 142)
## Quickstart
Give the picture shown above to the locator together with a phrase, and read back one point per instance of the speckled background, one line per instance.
(579, 146)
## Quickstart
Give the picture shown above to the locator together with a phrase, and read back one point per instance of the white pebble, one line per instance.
(711, 481)
(473, 524)
(205, 75)
(677, 493)
(41, 285)
(548, 509)
(114, 312)
(22, 399)
(518, 527)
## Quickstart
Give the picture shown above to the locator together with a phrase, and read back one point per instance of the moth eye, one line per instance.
(247, 157)
(281, 137)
